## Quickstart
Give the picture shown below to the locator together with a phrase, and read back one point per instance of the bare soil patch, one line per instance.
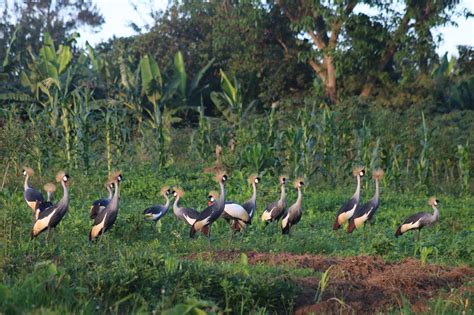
(365, 284)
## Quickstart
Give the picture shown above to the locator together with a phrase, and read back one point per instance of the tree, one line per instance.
(325, 24)
(29, 20)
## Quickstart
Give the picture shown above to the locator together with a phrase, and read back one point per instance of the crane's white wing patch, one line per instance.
(236, 211)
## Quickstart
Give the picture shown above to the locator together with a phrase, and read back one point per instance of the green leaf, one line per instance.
(151, 79)
(180, 73)
(198, 77)
(65, 57)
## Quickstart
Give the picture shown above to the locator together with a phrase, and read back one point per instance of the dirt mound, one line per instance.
(361, 284)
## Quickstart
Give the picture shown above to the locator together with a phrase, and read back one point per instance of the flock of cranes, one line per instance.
(103, 212)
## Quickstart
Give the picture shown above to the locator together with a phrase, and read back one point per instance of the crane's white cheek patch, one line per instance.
(410, 226)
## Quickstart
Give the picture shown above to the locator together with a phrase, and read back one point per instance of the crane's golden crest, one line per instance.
(283, 179)
(378, 174)
(433, 201)
(28, 171)
(61, 176)
(358, 171)
(298, 183)
(178, 192)
(115, 176)
(165, 190)
(49, 187)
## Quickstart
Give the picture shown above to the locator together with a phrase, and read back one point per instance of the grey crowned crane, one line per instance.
(188, 215)
(156, 212)
(348, 209)
(249, 206)
(50, 188)
(420, 219)
(49, 218)
(367, 211)
(211, 213)
(275, 210)
(106, 218)
(32, 196)
(293, 214)
(99, 205)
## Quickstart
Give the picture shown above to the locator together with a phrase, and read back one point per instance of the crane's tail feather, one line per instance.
(351, 227)
(399, 231)
(192, 231)
(336, 224)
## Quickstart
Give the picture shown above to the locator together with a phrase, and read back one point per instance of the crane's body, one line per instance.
(367, 211)
(50, 217)
(293, 214)
(156, 212)
(32, 196)
(211, 213)
(101, 204)
(106, 218)
(346, 212)
(188, 215)
(420, 219)
(275, 210)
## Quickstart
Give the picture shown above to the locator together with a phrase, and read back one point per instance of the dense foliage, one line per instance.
(304, 88)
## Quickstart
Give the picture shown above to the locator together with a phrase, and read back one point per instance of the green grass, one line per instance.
(135, 268)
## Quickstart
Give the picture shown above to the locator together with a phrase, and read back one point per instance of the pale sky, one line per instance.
(119, 13)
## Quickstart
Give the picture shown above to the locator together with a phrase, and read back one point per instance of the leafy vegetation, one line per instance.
(198, 92)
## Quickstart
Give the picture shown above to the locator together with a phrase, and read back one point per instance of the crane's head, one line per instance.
(49, 187)
(254, 179)
(378, 174)
(212, 197)
(178, 192)
(115, 177)
(433, 201)
(62, 177)
(358, 171)
(28, 171)
(165, 191)
(221, 177)
(298, 183)
(283, 179)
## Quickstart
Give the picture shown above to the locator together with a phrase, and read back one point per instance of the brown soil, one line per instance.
(361, 284)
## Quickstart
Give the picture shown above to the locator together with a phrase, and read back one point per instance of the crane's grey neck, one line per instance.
(49, 195)
(110, 192)
(115, 199)
(357, 192)
(176, 208)
(167, 204)
(27, 178)
(281, 202)
(299, 199)
(221, 201)
(377, 190)
(64, 202)
(254, 195)
(435, 215)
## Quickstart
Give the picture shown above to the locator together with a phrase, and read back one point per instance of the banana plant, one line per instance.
(49, 79)
(230, 101)
(152, 88)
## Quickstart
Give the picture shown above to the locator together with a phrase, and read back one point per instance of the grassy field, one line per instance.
(137, 267)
